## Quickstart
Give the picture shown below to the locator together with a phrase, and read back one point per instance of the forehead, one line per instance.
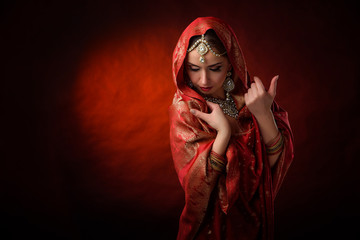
(194, 58)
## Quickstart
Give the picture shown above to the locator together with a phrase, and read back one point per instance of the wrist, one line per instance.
(268, 126)
(265, 115)
(224, 133)
(221, 142)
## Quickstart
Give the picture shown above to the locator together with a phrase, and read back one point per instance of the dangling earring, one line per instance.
(228, 105)
(190, 84)
(228, 85)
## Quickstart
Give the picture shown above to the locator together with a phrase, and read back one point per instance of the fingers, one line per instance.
(246, 98)
(257, 88)
(199, 114)
(253, 88)
(273, 85)
(249, 97)
(259, 85)
(211, 105)
(251, 93)
(206, 116)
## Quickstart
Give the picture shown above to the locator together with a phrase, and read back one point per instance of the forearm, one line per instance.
(218, 121)
(221, 142)
(269, 131)
(199, 189)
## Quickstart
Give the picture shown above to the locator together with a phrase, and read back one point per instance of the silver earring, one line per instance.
(190, 84)
(228, 85)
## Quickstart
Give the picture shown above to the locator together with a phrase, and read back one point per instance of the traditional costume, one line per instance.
(239, 204)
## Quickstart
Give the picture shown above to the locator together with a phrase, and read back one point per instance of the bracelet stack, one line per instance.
(276, 145)
(217, 162)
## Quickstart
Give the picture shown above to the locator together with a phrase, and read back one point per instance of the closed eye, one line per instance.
(217, 69)
(194, 69)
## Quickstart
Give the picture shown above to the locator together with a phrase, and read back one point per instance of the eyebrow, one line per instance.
(213, 65)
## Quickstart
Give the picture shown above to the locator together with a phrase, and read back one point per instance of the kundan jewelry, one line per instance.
(228, 106)
(228, 85)
(190, 84)
(202, 47)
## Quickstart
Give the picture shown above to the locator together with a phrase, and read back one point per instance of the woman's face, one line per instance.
(209, 76)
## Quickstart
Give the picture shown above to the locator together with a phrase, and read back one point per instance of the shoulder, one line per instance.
(181, 104)
(179, 110)
(180, 115)
(178, 105)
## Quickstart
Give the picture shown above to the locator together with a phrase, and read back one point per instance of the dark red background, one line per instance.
(84, 94)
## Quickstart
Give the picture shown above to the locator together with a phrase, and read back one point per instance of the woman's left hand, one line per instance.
(257, 99)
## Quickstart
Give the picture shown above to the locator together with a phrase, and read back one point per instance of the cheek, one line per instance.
(220, 78)
(192, 76)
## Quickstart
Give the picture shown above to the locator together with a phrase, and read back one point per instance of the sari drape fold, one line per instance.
(239, 203)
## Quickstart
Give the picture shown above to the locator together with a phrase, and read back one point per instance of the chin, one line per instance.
(209, 93)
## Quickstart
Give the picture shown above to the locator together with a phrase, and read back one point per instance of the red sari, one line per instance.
(239, 203)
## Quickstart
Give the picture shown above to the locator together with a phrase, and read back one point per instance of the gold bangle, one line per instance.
(217, 162)
(277, 146)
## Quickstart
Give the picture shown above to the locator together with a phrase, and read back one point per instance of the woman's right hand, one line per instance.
(215, 119)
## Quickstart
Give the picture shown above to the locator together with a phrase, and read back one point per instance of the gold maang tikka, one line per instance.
(202, 47)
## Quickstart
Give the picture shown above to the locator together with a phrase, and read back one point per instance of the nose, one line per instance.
(204, 78)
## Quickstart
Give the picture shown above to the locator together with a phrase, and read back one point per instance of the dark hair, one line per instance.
(212, 39)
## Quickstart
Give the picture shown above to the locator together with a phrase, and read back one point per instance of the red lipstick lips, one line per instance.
(206, 89)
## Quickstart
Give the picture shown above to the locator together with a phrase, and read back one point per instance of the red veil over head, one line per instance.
(238, 204)
(227, 37)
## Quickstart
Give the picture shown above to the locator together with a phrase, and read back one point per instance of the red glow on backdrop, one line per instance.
(85, 151)
(123, 91)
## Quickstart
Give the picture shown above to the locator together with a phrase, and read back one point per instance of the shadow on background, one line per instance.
(85, 91)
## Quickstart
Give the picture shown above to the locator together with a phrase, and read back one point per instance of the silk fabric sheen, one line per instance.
(239, 203)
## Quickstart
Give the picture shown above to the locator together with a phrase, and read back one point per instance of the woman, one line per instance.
(231, 143)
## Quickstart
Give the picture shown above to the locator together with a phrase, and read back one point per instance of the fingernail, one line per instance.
(277, 77)
(192, 111)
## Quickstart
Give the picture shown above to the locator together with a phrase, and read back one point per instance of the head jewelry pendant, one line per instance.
(228, 105)
(202, 47)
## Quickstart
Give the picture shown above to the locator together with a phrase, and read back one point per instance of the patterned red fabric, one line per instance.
(238, 204)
